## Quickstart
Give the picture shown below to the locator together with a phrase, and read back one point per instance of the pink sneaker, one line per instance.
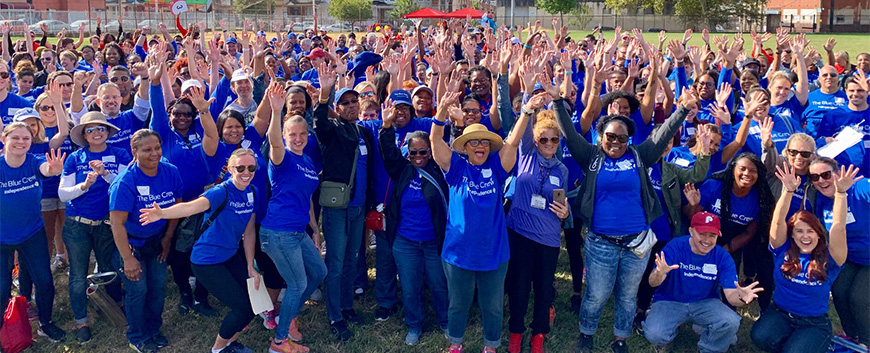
(32, 314)
(455, 348)
(269, 319)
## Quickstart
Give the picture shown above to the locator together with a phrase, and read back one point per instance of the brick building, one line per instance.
(820, 15)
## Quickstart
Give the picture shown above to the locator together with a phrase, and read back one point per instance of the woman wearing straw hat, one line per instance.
(84, 186)
(475, 250)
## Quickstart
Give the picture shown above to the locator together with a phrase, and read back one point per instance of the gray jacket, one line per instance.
(590, 157)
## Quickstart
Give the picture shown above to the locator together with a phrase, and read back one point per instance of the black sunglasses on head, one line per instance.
(815, 177)
(611, 137)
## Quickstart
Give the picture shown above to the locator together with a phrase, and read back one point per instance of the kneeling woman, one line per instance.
(805, 267)
(143, 249)
(216, 262)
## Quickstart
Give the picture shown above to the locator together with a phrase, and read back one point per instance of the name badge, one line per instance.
(690, 131)
(709, 269)
(486, 173)
(539, 202)
(755, 130)
(246, 143)
(251, 197)
(144, 190)
(363, 150)
(850, 218)
(681, 162)
(108, 159)
(555, 181)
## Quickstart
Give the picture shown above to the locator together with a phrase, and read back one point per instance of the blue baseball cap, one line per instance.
(232, 40)
(400, 96)
(261, 34)
(341, 93)
(538, 86)
(291, 35)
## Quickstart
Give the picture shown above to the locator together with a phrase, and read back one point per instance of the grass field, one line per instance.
(191, 333)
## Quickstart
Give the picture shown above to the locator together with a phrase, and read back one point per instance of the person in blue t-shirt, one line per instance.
(827, 98)
(216, 262)
(806, 263)
(783, 125)
(110, 100)
(84, 187)
(9, 102)
(290, 209)
(850, 289)
(855, 114)
(785, 103)
(475, 243)
(23, 231)
(143, 249)
(688, 289)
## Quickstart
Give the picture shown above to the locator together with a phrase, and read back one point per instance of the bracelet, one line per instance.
(434, 74)
(527, 46)
(569, 72)
(439, 122)
(843, 192)
(787, 190)
(204, 111)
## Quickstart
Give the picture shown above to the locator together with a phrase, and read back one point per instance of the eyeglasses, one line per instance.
(119, 78)
(178, 113)
(475, 143)
(707, 83)
(828, 75)
(65, 84)
(471, 111)
(45, 108)
(420, 152)
(4, 75)
(92, 129)
(367, 94)
(45, 59)
(805, 154)
(788, 51)
(544, 140)
(250, 168)
(825, 175)
(611, 137)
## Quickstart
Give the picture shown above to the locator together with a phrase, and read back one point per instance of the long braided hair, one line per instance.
(765, 198)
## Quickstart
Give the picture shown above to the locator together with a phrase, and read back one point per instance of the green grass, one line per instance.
(191, 333)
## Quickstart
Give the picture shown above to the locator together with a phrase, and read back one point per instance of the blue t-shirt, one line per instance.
(476, 236)
(382, 185)
(293, 183)
(132, 191)
(857, 220)
(800, 295)
(783, 128)
(216, 164)
(221, 240)
(53, 183)
(743, 209)
(10, 105)
(836, 120)
(415, 218)
(699, 276)
(127, 123)
(641, 129)
(819, 104)
(661, 226)
(618, 205)
(94, 203)
(20, 192)
(790, 109)
(682, 157)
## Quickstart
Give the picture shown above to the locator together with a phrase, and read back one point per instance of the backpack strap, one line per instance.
(217, 211)
(428, 177)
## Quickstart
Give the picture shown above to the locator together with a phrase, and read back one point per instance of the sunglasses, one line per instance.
(65, 84)
(788, 51)
(45, 59)
(420, 152)
(828, 75)
(92, 129)
(45, 108)
(815, 177)
(804, 154)
(187, 114)
(471, 111)
(120, 78)
(367, 94)
(611, 137)
(544, 140)
(4, 75)
(250, 168)
(475, 143)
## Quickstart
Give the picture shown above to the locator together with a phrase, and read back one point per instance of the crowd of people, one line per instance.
(685, 180)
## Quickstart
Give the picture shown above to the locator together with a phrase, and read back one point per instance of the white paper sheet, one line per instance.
(260, 300)
(847, 137)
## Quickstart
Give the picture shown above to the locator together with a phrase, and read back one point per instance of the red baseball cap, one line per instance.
(706, 222)
(316, 53)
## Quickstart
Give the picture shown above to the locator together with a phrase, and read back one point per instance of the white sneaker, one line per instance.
(373, 242)
(317, 295)
(59, 262)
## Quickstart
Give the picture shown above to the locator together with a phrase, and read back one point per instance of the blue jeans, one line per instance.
(490, 298)
(33, 255)
(417, 261)
(343, 230)
(720, 323)
(143, 299)
(80, 239)
(779, 331)
(299, 263)
(608, 268)
(385, 272)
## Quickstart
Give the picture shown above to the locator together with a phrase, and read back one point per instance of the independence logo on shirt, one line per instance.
(162, 199)
(16, 186)
(621, 166)
(707, 272)
(736, 218)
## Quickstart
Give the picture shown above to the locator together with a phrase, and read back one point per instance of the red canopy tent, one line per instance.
(463, 13)
(425, 13)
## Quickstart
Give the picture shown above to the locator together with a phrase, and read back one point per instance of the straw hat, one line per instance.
(477, 132)
(77, 132)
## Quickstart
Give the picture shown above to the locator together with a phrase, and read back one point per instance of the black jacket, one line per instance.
(338, 143)
(402, 172)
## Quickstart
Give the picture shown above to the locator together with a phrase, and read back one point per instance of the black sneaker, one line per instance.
(619, 346)
(584, 344)
(238, 348)
(638, 322)
(350, 316)
(184, 304)
(160, 340)
(383, 314)
(204, 309)
(83, 334)
(144, 347)
(575, 304)
(340, 330)
(52, 332)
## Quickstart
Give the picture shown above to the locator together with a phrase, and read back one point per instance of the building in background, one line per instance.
(820, 15)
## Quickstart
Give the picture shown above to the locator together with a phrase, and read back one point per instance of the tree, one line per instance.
(580, 16)
(403, 7)
(253, 6)
(560, 7)
(351, 10)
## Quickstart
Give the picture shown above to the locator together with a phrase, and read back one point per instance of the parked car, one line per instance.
(296, 27)
(343, 27)
(90, 26)
(112, 26)
(17, 27)
(151, 23)
(54, 26)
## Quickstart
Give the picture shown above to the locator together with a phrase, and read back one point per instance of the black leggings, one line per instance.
(852, 301)
(227, 281)
(532, 266)
(645, 291)
(574, 245)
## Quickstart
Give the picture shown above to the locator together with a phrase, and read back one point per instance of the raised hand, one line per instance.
(536, 102)
(723, 93)
(705, 138)
(705, 36)
(786, 175)
(767, 132)
(846, 178)
(55, 94)
(749, 293)
(677, 50)
(721, 113)
(662, 264)
(327, 77)
(830, 44)
(197, 97)
(693, 195)
(687, 36)
(276, 96)
(388, 110)
(223, 25)
(663, 36)
(798, 44)
(689, 99)
(55, 159)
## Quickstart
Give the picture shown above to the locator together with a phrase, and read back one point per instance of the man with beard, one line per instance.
(120, 76)
(128, 121)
